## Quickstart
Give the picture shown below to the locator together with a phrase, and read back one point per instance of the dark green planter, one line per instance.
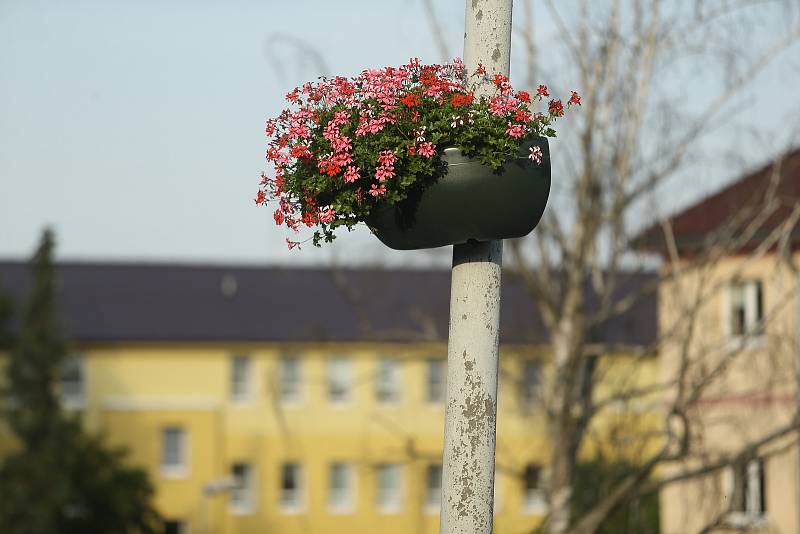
(470, 202)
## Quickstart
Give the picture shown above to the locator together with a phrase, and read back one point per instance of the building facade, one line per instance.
(300, 401)
(731, 266)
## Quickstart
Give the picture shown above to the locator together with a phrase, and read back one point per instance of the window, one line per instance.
(340, 489)
(291, 487)
(436, 380)
(290, 380)
(746, 309)
(240, 378)
(173, 526)
(531, 381)
(242, 500)
(533, 495)
(339, 380)
(433, 487)
(73, 393)
(387, 383)
(389, 488)
(749, 498)
(173, 451)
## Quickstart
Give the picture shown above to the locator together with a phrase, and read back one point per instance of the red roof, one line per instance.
(733, 208)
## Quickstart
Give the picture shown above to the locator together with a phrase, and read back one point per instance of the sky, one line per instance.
(135, 129)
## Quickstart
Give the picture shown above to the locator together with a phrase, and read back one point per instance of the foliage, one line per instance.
(60, 480)
(595, 479)
(374, 140)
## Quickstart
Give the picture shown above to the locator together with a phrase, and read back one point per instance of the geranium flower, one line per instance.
(351, 175)
(426, 149)
(516, 131)
(556, 108)
(535, 154)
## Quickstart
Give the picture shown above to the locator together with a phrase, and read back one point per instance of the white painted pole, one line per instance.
(472, 352)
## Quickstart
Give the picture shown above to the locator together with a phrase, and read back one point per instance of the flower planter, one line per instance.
(470, 202)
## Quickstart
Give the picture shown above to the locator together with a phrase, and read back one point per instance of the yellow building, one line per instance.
(305, 400)
(738, 248)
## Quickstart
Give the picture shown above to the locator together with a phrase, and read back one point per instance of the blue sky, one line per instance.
(135, 129)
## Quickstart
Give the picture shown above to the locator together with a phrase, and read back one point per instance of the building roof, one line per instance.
(718, 211)
(113, 302)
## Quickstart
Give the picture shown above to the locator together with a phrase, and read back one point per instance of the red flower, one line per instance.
(293, 95)
(278, 215)
(462, 100)
(524, 96)
(481, 70)
(427, 78)
(556, 108)
(542, 91)
(574, 99)
(261, 198)
(499, 80)
(522, 115)
(411, 100)
(329, 168)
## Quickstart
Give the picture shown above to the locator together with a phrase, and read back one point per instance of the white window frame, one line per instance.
(244, 502)
(346, 366)
(388, 380)
(433, 496)
(74, 400)
(753, 334)
(431, 385)
(245, 395)
(395, 506)
(297, 504)
(347, 505)
(293, 396)
(180, 470)
(752, 515)
(534, 500)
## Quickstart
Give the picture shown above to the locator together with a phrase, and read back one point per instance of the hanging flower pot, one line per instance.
(470, 202)
(373, 149)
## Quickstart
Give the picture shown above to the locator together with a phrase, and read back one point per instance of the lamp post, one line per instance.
(472, 352)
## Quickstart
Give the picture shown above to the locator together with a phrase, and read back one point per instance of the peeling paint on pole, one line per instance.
(472, 352)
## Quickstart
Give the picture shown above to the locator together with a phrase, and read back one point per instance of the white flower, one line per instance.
(536, 154)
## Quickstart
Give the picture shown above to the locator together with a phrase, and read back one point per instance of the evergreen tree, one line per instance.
(61, 480)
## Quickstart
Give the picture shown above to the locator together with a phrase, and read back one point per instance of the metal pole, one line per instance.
(472, 352)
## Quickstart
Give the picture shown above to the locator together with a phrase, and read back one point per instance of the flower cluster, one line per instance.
(350, 145)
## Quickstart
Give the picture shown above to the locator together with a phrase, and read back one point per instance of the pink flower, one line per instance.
(340, 118)
(382, 173)
(375, 190)
(351, 175)
(326, 215)
(536, 154)
(501, 106)
(291, 244)
(515, 130)
(426, 149)
(386, 157)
